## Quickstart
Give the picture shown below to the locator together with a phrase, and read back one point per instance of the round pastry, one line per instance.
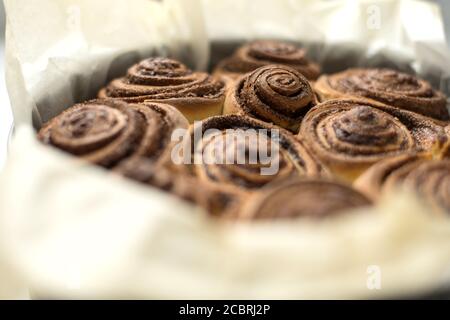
(373, 181)
(350, 135)
(240, 151)
(391, 87)
(302, 198)
(215, 200)
(106, 132)
(277, 94)
(264, 52)
(196, 94)
(429, 178)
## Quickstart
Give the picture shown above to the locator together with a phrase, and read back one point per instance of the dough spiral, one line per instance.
(350, 135)
(430, 178)
(196, 94)
(302, 198)
(285, 155)
(388, 86)
(277, 94)
(105, 132)
(260, 53)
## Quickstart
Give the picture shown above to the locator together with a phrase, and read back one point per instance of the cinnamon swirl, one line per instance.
(302, 198)
(277, 94)
(264, 52)
(106, 132)
(350, 135)
(246, 153)
(196, 94)
(416, 172)
(391, 87)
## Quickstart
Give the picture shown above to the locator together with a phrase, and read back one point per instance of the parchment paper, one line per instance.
(63, 52)
(69, 229)
(405, 34)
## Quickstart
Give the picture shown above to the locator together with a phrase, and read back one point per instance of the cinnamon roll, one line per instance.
(246, 153)
(391, 87)
(277, 94)
(106, 132)
(264, 52)
(416, 172)
(214, 200)
(196, 94)
(350, 135)
(302, 198)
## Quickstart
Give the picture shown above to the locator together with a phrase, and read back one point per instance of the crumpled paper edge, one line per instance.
(151, 245)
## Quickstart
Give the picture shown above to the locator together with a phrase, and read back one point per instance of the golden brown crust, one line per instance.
(302, 198)
(108, 131)
(291, 155)
(260, 53)
(415, 172)
(391, 87)
(276, 94)
(196, 94)
(349, 135)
